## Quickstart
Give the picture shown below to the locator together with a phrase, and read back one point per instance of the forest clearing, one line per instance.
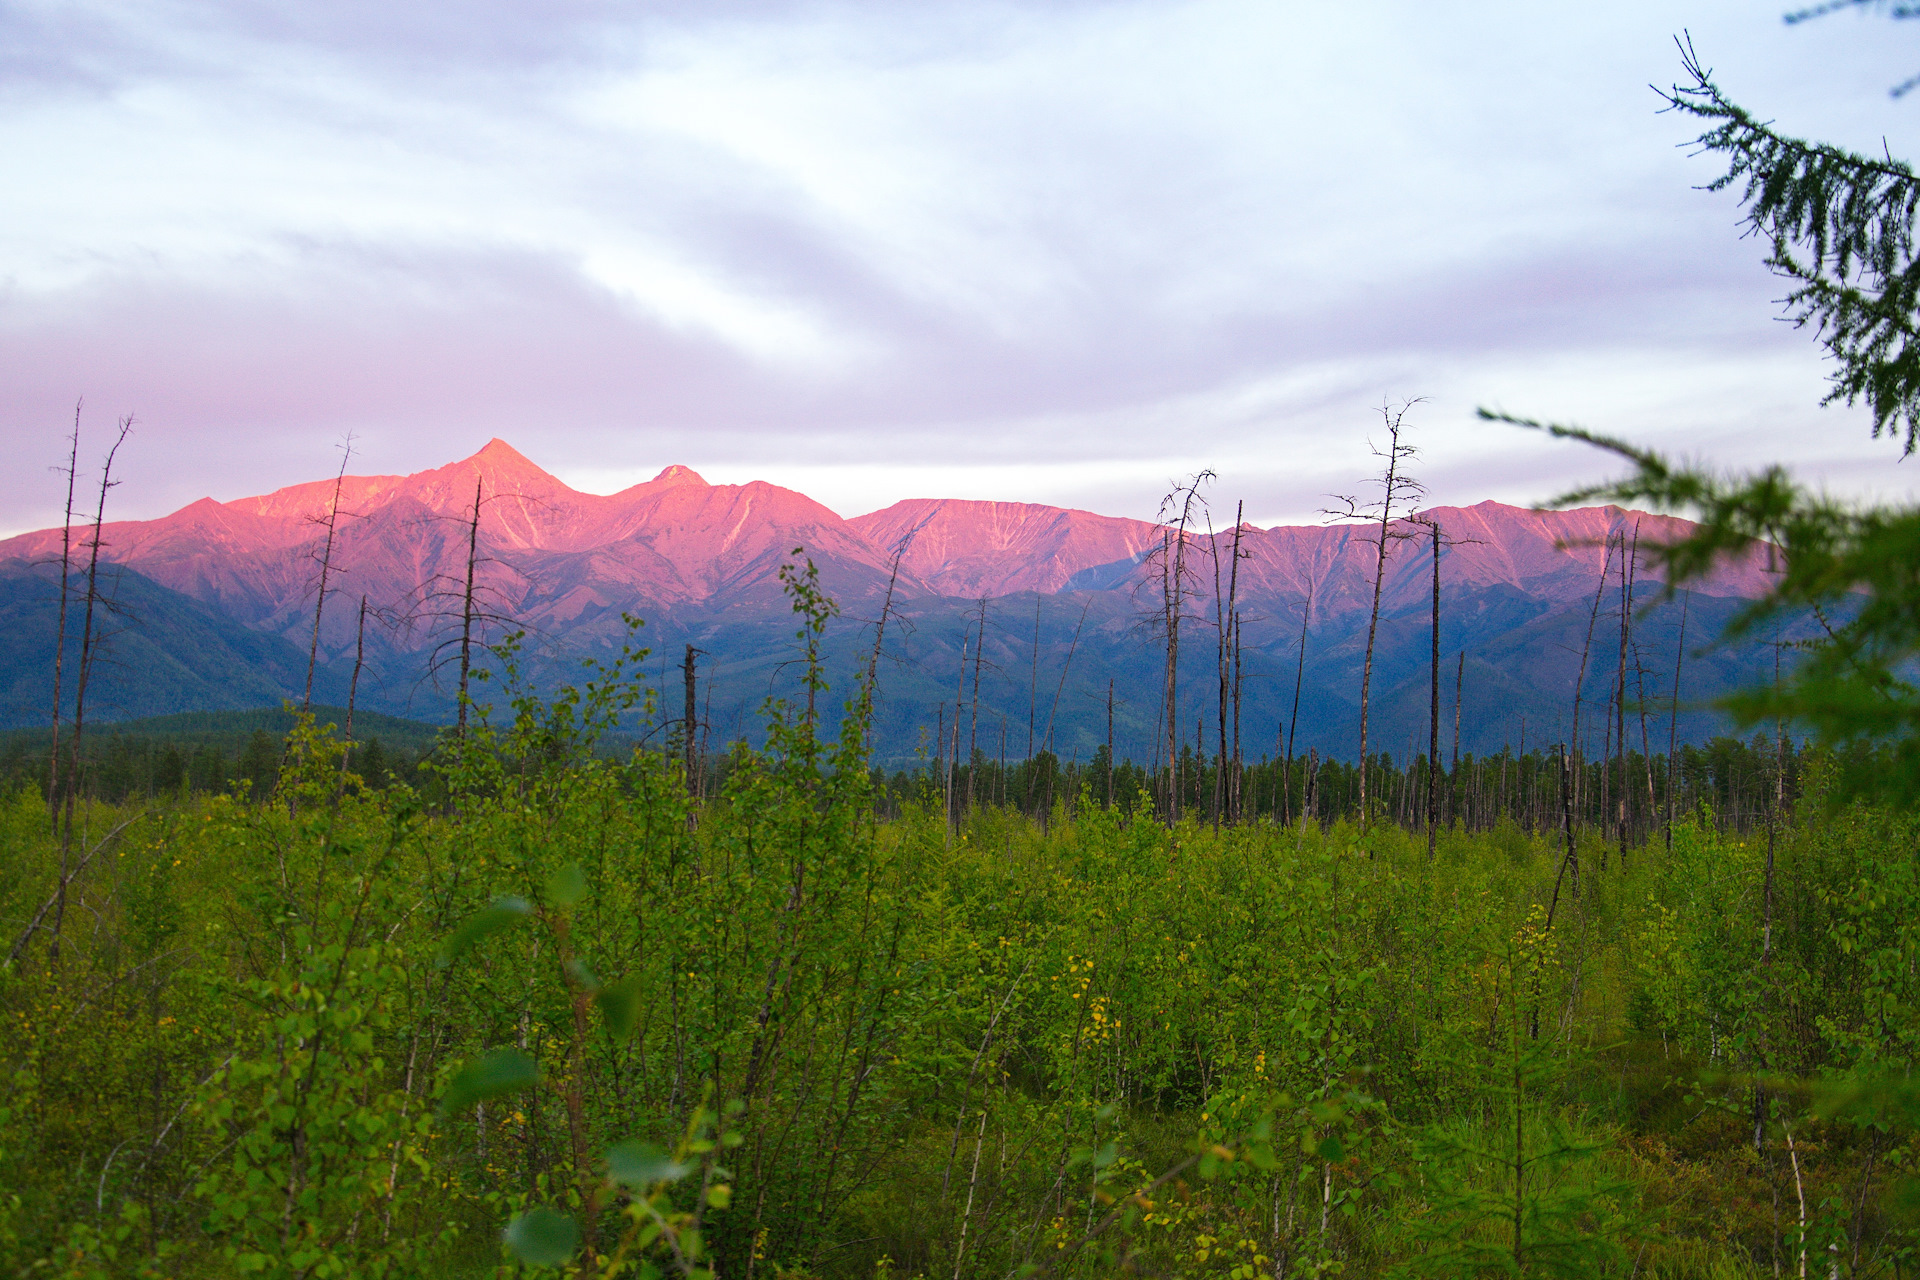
(349, 1030)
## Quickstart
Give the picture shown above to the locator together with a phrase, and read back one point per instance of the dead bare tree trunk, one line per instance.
(1620, 690)
(1109, 741)
(326, 567)
(1453, 773)
(973, 722)
(1179, 506)
(1073, 647)
(688, 723)
(1233, 658)
(353, 692)
(89, 639)
(1236, 799)
(1293, 719)
(1366, 670)
(1673, 715)
(953, 765)
(1580, 682)
(1395, 488)
(1220, 673)
(1433, 711)
(1162, 730)
(60, 630)
(466, 610)
(1646, 737)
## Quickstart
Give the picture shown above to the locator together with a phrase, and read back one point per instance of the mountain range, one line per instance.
(1051, 608)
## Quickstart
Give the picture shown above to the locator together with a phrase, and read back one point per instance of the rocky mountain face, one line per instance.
(1048, 605)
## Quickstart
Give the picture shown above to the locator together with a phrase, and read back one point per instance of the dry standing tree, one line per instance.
(1178, 511)
(1399, 494)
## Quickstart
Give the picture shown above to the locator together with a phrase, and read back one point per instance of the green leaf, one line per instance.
(620, 1006)
(567, 885)
(489, 1076)
(501, 915)
(542, 1237)
(639, 1165)
(1331, 1151)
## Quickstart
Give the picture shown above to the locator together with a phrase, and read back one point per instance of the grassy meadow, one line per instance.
(546, 1010)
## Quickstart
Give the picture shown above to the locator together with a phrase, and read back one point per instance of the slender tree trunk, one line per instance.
(1170, 603)
(1173, 569)
(89, 643)
(1220, 674)
(353, 692)
(1109, 742)
(1233, 657)
(1580, 682)
(871, 682)
(1620, 690)
(1454, 806)
(60, 631)
(1673, 715)
(326, 567)
(953, 765)
(1311, 785)
(1570, 851)
(1293, 718)
(1236, 799)
(466, 610)
(1433, 711)
(1033, 683)
(973, 726)
(1373, 626)
(1003, 762)
(1766, 950)
(689, 721)
(1073, 647)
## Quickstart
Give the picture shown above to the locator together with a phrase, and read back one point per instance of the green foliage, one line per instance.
(1840, 227)
(489, 1076)
(549, 1012)
(540, 1237)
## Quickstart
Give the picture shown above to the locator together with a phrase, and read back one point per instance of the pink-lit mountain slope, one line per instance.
(549, 556)
(1551, 556)
(973, 549)
(561, 561)
(701, 564)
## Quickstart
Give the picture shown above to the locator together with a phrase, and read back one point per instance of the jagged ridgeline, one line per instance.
(1018, 619)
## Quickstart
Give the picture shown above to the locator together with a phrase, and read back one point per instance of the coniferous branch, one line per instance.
(1840, 227)
(1856, 567)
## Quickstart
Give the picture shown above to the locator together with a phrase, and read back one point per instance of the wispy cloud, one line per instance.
(868, 248)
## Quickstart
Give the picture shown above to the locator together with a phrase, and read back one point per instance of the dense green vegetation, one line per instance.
(342, 1030)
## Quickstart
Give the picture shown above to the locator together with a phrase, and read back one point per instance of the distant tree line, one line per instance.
(115, 769)
(1726, 779)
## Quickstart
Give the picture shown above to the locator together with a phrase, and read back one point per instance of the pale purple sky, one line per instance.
(1052, 252)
